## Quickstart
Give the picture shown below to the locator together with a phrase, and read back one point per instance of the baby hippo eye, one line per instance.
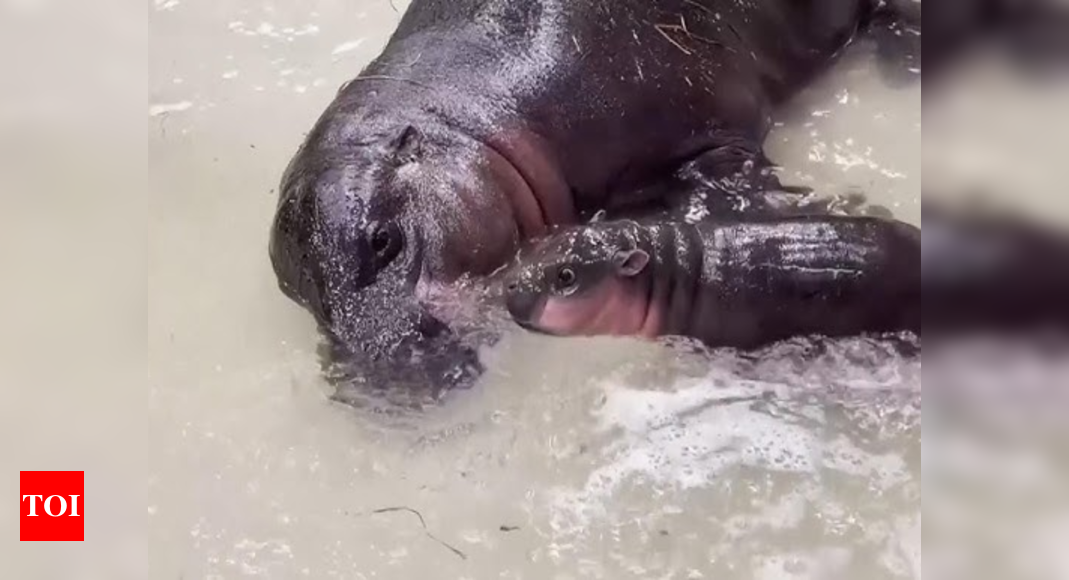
(565, 278)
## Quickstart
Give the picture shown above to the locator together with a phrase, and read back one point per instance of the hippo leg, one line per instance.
(741, 181)
(730, 180)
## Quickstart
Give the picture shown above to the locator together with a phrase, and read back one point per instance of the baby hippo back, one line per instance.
(770, 280)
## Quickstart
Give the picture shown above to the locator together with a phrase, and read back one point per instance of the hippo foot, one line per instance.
(854, 203)
(736, 179)
(741, 181)
(771, 198)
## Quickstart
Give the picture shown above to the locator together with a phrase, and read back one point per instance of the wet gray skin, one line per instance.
(742, 284)
(482, 123)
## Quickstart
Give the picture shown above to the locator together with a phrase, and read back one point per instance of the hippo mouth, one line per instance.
(525, 310)
(531, 327)
(424, 355)
(386, 337)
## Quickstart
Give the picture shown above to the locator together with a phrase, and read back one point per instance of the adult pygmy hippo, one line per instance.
(483, 122)
(740, 284)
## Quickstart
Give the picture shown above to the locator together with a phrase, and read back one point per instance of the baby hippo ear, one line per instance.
(630, 262)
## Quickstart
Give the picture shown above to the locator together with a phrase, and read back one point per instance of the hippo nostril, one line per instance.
(513, 286)
(430, 327)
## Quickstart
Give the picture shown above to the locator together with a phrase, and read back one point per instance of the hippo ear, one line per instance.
(407, 146)
(630, 262)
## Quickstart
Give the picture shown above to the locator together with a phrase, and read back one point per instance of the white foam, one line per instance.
(165, 108)
(269, 30)
(682, 439)
(347, 46)
(686, 437)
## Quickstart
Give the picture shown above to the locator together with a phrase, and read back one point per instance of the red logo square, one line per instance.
(52, 506)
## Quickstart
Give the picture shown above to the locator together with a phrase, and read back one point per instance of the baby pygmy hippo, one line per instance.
(737, 284)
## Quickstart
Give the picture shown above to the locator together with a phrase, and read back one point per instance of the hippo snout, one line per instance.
(522, 306)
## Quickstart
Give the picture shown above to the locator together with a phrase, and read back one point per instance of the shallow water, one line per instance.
(594, 459)
(571, 459)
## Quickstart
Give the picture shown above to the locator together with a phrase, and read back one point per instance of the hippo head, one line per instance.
(376, 216)
(582, 281)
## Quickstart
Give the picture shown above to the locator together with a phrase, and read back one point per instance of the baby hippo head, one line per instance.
(585, 281)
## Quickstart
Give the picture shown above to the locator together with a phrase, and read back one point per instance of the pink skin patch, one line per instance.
(618, 306)
(653, 325)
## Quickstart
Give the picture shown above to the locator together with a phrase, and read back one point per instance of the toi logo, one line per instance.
(52, 506)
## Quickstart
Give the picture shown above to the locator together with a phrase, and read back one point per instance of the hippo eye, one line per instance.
(380, 241)
(386, 243)
(565, 278)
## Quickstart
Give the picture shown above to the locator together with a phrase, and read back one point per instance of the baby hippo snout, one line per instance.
(521, 303)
